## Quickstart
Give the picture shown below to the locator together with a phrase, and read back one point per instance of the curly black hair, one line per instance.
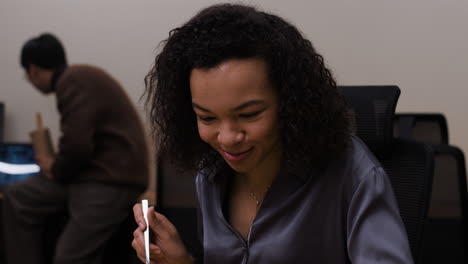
(312, 114)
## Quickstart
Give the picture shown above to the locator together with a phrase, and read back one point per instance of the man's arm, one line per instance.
(78, 118)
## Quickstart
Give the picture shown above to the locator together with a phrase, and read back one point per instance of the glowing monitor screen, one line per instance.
(16, 163)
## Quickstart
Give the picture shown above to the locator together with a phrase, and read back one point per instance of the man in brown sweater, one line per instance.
(98, 172)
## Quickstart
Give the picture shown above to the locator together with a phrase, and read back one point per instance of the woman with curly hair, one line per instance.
(241, 97)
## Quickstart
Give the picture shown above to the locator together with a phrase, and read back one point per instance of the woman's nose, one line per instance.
(230, 135)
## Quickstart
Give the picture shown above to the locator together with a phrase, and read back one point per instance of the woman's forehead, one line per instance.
(231, 83)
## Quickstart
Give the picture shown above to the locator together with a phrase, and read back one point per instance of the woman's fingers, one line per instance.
(167, 248)
(159, 224)
(142, 258)
(138, 242)
(138, 215)
(139, 246)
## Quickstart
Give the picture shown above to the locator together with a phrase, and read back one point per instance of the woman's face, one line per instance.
(237, 113)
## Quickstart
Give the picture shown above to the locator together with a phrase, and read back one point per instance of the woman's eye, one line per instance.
(250, 115)
(206, 118)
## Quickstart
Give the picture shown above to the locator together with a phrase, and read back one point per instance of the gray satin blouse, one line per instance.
(347, 214)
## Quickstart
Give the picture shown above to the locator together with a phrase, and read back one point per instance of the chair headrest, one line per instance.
(426, 127)
(373, 108)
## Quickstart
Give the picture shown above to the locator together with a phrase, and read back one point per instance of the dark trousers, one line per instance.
(95, 213)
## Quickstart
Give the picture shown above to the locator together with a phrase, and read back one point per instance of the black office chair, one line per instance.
(176, 199)
(447, 227)
(446, 237)
(373, 109)
(409, 164)
(424, 127)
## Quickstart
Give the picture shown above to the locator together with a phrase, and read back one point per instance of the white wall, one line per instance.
(420, 45)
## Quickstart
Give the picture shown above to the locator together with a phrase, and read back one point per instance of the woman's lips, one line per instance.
(236, 156)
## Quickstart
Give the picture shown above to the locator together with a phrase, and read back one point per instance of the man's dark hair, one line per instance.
(314, 124)
(45, 51)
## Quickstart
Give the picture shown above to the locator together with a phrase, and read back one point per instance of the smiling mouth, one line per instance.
(236, 156)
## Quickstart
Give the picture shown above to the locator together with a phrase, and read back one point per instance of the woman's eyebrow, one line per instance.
(237, 108)
(194, 105)
(249, 103)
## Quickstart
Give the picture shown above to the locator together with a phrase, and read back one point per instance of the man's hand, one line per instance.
(45, 163)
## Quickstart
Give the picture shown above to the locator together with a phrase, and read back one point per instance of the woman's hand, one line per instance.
(168, 248)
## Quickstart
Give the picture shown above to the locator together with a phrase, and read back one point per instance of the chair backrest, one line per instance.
(449, 194)
(409, 164)
(446, 233)
(410, 169)
(446, 238)
(374, 108)
(424, 127)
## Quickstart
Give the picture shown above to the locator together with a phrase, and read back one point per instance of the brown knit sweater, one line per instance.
(102, 138)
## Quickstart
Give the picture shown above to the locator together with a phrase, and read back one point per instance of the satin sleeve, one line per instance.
(375, 231)
(198, 253)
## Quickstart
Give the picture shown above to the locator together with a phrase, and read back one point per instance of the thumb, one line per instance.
(159, 223)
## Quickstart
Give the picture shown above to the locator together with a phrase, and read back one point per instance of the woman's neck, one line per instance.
(260, 179)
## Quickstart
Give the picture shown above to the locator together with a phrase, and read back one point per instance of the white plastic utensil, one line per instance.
(144, 204)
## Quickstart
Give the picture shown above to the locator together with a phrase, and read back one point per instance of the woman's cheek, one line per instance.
(206, 133)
